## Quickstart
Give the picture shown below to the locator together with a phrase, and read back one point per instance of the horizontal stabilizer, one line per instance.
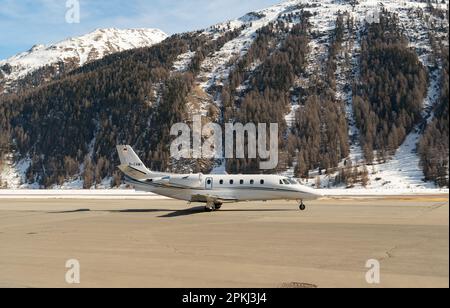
(133, 173)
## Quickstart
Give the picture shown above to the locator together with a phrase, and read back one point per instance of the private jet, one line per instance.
(212, 190)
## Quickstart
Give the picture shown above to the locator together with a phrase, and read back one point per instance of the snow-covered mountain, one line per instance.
(402, 172)
(422, 26)
(74, 52)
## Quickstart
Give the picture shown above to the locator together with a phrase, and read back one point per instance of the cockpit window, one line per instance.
(286, 182)
(294, 182)
(281, 182)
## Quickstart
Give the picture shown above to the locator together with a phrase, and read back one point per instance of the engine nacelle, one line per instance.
(192, 180)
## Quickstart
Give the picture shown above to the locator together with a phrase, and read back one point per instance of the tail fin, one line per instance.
(129, 158)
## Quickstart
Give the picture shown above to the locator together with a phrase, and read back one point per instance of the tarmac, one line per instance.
(166, 243)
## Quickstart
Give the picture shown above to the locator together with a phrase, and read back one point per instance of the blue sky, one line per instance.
(24, 23)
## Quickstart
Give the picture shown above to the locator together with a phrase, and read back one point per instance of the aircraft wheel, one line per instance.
(302, 207)
(210, 208)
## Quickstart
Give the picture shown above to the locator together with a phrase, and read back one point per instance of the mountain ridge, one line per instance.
(225, 72)
(74, 52)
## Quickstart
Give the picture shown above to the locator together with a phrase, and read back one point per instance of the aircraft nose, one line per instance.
(311, 192)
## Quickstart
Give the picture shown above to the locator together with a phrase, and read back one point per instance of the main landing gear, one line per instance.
(302, 206)
(213, 206)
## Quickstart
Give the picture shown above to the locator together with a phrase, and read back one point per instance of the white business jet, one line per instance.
(214, 190)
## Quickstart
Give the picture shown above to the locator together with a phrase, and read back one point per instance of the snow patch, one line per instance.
(216, 69)
(14, 174)
(183, 61)
(120, 194)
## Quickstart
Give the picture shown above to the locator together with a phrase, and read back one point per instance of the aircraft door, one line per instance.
(209, 183)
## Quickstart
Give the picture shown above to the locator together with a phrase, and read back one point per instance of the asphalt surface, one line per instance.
(156, 243)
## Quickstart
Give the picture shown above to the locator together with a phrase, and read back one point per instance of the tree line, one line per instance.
(388, 98)
(72, 124)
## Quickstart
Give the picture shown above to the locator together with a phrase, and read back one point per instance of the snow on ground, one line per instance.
(216, 69)
(402, 173)
(183, 61)
(404, 170)
(14, 174)
(377, 192)
(290, 117)
(432, 96)
(323, 22)
(121, 194)
(74, 184)
(130, 194)
(345, 92)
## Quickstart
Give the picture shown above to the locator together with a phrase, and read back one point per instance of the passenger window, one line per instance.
(231, 182)
(262, 182)
(209, 182)
(221, 182)
(252, 182)
(242, 182)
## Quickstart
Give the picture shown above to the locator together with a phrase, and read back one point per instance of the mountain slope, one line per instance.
(73, 53)
(301, 63)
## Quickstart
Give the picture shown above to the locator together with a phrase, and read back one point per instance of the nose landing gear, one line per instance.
(302, 206)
